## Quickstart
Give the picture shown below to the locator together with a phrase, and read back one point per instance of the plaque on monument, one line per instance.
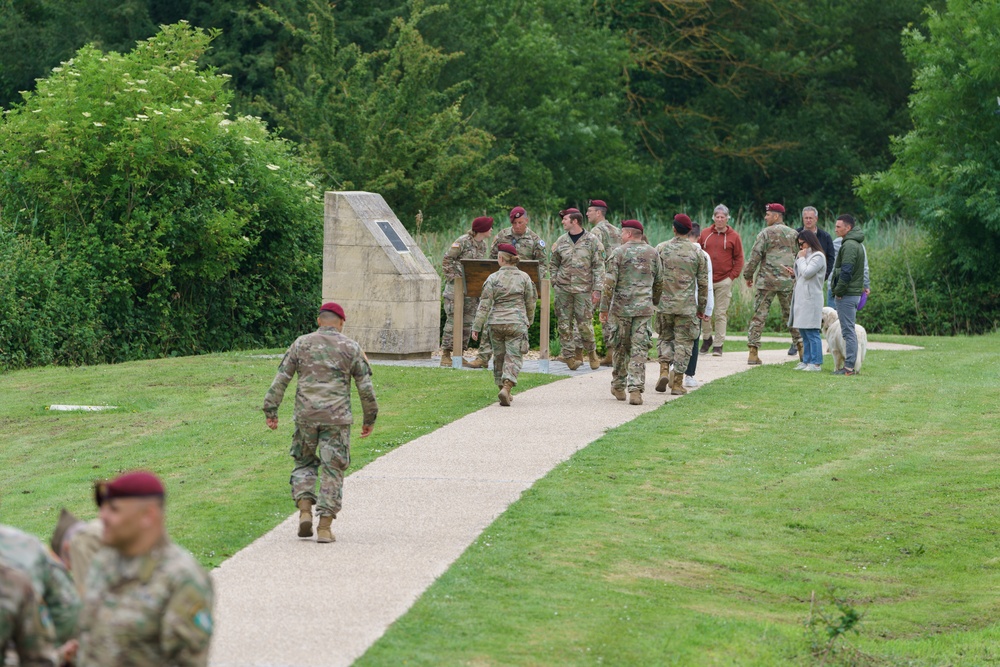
(373, 268)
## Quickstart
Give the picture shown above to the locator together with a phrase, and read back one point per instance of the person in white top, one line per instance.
(689, 381)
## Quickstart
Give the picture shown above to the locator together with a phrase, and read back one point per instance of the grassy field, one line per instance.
(712, 530)
(197, 422)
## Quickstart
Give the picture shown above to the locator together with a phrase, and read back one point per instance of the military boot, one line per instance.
(635, 398)
(608, 360)
(572, 362)
(753, 359)
(323, 532)
(677, 385)
(595, 361)
(579, 356)
(478, 363)
(664, 381)
(305, 506)
(618, 393)
(446, 357)
(504, 395)
(706, 345)
(801, 349)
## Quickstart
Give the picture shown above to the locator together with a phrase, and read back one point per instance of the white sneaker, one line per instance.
(801, 366)
(813, 367)
(689, 382)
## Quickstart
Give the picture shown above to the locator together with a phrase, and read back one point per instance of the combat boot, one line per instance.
(801, 349)
(305, 506)
(504, 395)
(677, 385)
(618, 393)
(579, 356)
(573, 363)
(595, 361)
(706, 345)
(664, 381)
(635, 398)
(609, 360)
(446, 357)
(753, 359)
(323, 532)
(478, 363)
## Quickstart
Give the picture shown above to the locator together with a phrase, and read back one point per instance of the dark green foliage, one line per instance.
(176, 229)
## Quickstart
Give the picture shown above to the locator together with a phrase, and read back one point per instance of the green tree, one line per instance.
(380, 120)
(181, 229)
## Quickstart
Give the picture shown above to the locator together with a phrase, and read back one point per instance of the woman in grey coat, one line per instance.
(807, 298)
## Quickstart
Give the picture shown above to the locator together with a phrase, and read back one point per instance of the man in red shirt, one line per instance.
(725, 248)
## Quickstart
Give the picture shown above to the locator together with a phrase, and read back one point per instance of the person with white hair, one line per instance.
(725, 248)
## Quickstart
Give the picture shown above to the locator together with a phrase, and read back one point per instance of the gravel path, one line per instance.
(407, 516)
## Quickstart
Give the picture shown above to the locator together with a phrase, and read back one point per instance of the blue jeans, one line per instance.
(812, 347)
(847, 311)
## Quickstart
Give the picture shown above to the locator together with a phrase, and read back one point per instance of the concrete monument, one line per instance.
(374, 269)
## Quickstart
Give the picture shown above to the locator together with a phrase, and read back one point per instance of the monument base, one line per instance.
(412, 356)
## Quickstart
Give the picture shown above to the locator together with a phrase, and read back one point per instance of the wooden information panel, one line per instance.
(477, 270)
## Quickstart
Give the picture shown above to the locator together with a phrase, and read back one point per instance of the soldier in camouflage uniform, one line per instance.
(530, 246)
(631, 287)
(610, 237)
(21, 624)
(773, 251)
(471, 245)
(577, 270)
(685, 293)
(507, 307)
(53, 586)
(148, 601)
(325, 360)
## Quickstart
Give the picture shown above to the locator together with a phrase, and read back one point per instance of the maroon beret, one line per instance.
(482, 224)
(598, 202)
(517, 212)
(775, 207)
(508, 248)
(334, 308)
(634, 224)
(682, 222)
(570, 211)
(138, 484)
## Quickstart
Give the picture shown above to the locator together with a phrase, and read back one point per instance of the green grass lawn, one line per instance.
(197, 422)
(701, 533)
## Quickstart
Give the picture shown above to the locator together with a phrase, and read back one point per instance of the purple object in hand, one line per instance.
(863, 300)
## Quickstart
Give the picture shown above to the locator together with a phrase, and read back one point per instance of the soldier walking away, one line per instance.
(507, 308)
(325, 360)
(577, 271)
(471, 245)
(773, 252)
(685, 295)
(21, 624)
(725, 248)
(632, 285)
(610, 237)
(530, 246)
(148, 601)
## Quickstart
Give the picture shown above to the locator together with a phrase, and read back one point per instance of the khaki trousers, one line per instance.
(716, 326)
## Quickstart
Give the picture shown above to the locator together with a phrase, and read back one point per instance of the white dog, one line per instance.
(835, 339)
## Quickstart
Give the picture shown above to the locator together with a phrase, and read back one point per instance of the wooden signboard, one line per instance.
(478, 270)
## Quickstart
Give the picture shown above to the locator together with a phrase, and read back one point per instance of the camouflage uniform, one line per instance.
(146, 611)
(577, 270)
(530, 246)
(774, 249)
(507, 306)
(53, 586)
(21, 624)
(464, 247)
(325, 360)
(609, 236)
(685, 272)
(631, 286)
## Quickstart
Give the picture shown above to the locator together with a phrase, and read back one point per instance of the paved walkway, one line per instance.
(407, 516)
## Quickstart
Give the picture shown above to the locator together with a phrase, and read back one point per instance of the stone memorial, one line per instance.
(374, 269)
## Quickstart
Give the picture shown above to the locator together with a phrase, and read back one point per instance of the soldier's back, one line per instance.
(146, 611)
(680, 260)
(635, 268)
(21, 624)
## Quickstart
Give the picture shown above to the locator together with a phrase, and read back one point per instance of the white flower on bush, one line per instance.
(86, 114)
(273, 167)
(96, 124)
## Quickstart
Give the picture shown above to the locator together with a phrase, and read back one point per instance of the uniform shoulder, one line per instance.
(182, 568)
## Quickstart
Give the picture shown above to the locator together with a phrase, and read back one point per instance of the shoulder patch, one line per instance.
(456, 244)
(203, 621)
(541, 243)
